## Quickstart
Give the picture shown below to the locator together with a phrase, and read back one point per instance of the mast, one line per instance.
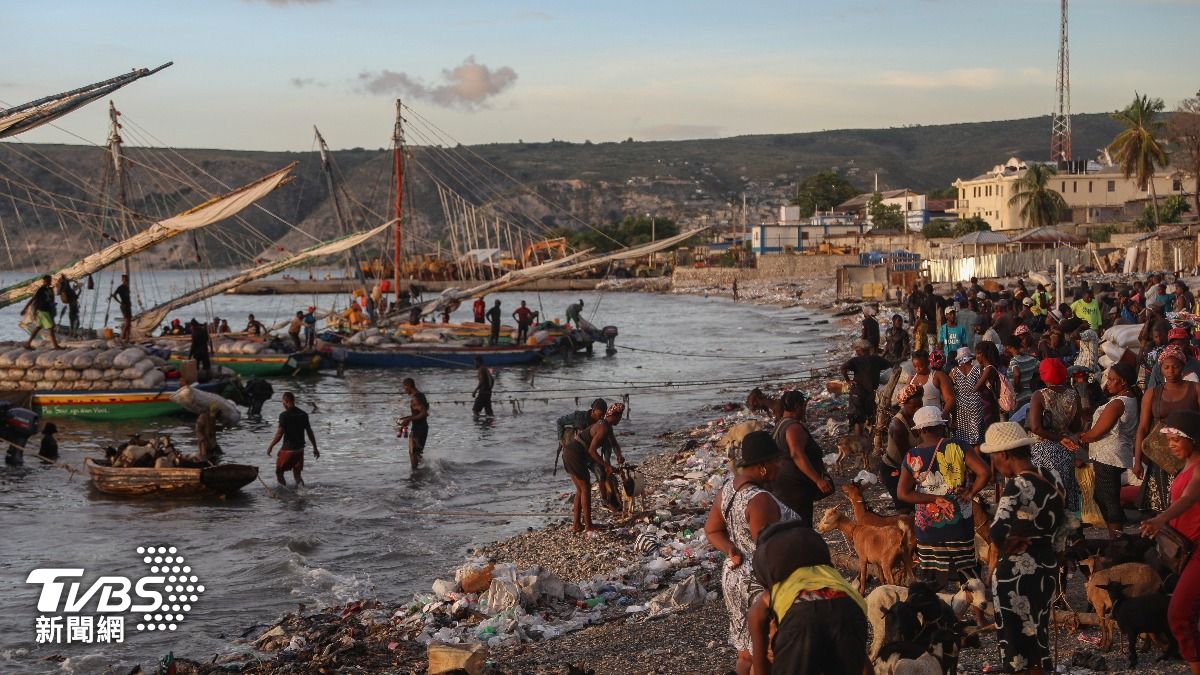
(118, 165)
(398, 158)
(327, 168)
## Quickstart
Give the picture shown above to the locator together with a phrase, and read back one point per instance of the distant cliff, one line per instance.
(540, 185)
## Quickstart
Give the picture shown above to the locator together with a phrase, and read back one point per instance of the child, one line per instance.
(49, 448)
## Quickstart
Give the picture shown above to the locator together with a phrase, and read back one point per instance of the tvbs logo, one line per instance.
(69, 612)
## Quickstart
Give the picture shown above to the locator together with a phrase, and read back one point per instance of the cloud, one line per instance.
(302, 82)
(287, 3)
(677, 132)
(959, 78)
(467, 86)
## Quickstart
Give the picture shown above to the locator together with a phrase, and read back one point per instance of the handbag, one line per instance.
(1174, 549)
(1155, 448)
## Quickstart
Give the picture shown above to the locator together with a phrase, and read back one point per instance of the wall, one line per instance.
(770, 267)
(949, 270)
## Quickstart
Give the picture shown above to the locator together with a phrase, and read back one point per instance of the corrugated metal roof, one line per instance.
(1047, 235)
(982, 237)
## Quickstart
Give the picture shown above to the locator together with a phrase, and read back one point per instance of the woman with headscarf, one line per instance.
(1051, 345)
(802, 479)
(968, 404)
(935, 386)
(580, 454)
(1152, 460)
(1053, 414)
(1028, 519)
(1110, 441)
(742, 509)
(1183, 515)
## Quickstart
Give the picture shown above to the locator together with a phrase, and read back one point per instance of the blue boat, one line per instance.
(432, 356)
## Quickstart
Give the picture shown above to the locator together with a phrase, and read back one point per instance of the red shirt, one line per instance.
(1188, 524)
(524, 316)
(479, 308)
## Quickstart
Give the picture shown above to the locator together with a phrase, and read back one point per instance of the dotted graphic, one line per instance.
(182, 587)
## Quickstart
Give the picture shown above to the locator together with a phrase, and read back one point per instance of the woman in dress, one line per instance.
(988, 356)
(1051, 345)
(1110, 441)
(968, 405)
(1152, 461)
(936, 389)
(802, 478)
(1053, 415)
(941, 477)
(1028, 518)
(1183, 438)
(743, 508)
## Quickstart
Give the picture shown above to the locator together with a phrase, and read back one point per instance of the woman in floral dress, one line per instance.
(968, 404)
(1029, 520)
(941, 477)
(1054, 413)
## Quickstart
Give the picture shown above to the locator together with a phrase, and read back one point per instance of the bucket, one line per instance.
(189, 371)
(108, 333)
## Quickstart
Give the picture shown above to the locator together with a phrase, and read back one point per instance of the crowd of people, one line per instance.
(995, 390)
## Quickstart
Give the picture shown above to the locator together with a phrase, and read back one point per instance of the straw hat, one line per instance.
(1004, 436)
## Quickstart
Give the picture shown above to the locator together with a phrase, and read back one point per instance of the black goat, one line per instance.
(1143, 614)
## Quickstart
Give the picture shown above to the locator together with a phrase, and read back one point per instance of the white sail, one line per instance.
(150, 319)
(34, 114)
(209, 212)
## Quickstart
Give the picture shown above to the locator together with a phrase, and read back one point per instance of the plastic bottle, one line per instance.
(595, 602)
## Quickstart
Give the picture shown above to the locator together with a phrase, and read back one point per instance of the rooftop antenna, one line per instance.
(1060, 120)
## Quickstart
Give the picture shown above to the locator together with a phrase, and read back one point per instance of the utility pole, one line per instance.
(1060, 120)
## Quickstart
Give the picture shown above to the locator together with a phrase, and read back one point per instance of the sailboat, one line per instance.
(256, 364)
(82, 382)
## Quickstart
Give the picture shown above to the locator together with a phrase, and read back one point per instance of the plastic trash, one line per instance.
(865, 477)
(682, 595)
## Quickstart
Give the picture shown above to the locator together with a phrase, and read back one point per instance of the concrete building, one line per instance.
(912, 205)
(793, 233)
(1094, 193)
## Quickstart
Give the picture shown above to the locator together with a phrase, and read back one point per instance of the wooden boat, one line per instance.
(223, 479)
(418, 355)
(113, 404)
(261, 365)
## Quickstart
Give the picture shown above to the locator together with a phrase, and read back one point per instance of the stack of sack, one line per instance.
(95, 367)
(1120, 342)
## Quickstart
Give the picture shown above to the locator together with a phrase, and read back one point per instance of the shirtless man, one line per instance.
(417, 422)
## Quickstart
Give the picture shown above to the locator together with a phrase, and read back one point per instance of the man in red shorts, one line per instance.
(293, 427)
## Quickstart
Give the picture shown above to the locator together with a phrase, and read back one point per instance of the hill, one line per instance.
(539, 185)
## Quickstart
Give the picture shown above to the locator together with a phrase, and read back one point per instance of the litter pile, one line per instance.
(97, 365)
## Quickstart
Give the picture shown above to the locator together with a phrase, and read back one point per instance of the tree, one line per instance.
(938, 228)
(966, 226)
(1137, 149)
(1184, 130)
(821, 192)
(1168, 214)
(1040, 203)
(884, 217)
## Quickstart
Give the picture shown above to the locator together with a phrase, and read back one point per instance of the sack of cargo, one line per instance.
(153, 379)
(9, 357)
(8, 385)
(52, 374)
(85, 360)
(197, 401)
(157, 361)
(112, 373)
(128, 357)
(68, 385)
(376, 340)
(105, 358)
(224, 347)
(141, 368)
(47, 358)
(14, 374)
(64, 359)
(1124, 336)
(26, 360)
(44, 385)
(93, 374)
(34, 374)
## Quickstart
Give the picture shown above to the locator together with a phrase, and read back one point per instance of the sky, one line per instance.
(258, 74)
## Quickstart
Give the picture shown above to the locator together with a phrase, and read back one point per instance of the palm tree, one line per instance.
(1137, 149)
(1040, 203)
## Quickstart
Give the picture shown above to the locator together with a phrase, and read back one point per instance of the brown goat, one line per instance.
(757, 401)
(880, 546)
(853, 444)
(902, 521)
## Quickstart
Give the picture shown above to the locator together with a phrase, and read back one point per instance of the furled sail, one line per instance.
(36, 113)
(147, 321)
(211, 211)
(513, 278)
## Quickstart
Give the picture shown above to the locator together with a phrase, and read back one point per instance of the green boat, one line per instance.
(261, 365)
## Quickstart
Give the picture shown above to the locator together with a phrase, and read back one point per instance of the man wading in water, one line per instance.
(293, 427)
(483, 389)
(418, 422)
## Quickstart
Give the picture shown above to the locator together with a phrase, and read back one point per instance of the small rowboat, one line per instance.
(223, 479)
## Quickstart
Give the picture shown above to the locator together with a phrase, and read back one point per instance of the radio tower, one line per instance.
(1060, 121)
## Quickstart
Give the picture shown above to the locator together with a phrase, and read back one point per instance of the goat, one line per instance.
(1142, 614)
(757, 401)
(880, 546)
(920, 626)
(731, 442)
(854, 444)
(866, 516)
(971, 596)
(1138, 579)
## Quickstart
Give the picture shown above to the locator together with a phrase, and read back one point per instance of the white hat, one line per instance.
(963, 355)
(929, 416)
(1004, 436)
(1027, 301)
(981, 295)
(950, 309)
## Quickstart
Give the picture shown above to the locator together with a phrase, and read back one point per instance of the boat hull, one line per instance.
(117, 404)
(433, 357)
(258, 365)
(140, 482)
